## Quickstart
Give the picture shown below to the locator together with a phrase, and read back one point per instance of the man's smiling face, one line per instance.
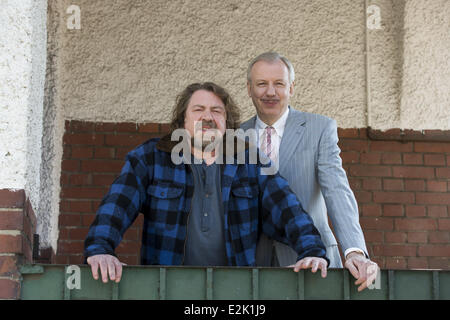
(270, 89)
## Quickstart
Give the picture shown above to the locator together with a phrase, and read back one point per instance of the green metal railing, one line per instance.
(59, 282)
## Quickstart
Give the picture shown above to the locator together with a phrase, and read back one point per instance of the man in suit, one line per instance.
(304, 148)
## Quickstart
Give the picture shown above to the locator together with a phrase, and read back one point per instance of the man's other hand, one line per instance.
(364, 270)
(311, 262)
(108, 265)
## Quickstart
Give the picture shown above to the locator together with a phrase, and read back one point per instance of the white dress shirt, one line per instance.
(279, 126)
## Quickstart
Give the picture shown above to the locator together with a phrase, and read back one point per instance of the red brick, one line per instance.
(395, 263)
(61, 259)
(444, 224)
(448, 160)
(131, 234)
(414, 185)
(103, 179)
(439, 263)
(376, 223)
(113, 166)
(412, 172)
(432, 198)
(129, 259)
(10, 244)
(105, 127)
(80, 206)
(122, 152)
(432, 147)
(355, 183)
(393, 184)
(399, 250)
(391, 158)
(12, 199)
(417, 237)
(150, 127)
(125, 140)
(434, 250)
(84, 139)
(69, 220)
(104, 153)
(434, 160)
(70, 165)
(83, 193)
(373, 210)
(391, 146)
(9, 289)
(363, 196)
(64, 234)
(370, 171)
(164, 127)
(348, 133)
(67, 152)
(371, 158)
(395, 237)
(81, 126)
(443, 173)
(437, 186)
(126, 127)
(417, 263)
(11, 220)
(415, 211)
(439, 237)
(349, 157)
(67, 126)
(372, 184)
(67, 247)
(373, 236)
(79, 152)
(354, 145)
(64, 179)
(9, 266)
(415, 224)
(393, 197)
(437, 211)
(393, 210)
(76, 259)
(80, 179)
(87, 219)
(78, 233)
(413, 158)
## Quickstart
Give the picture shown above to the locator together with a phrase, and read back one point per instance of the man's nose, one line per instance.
(270, 90)
(207, 115)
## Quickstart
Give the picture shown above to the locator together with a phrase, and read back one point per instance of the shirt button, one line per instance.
(205, 214)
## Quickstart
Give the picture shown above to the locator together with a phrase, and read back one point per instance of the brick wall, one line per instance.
(403, 192)
(17, 226)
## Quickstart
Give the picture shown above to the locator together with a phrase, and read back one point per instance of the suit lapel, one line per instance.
(293, 134)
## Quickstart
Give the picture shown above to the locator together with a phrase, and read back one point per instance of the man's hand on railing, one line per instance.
(364, 270)
(312, 262)
(108, 265)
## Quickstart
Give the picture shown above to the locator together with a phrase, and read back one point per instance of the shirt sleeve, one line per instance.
(119, 208)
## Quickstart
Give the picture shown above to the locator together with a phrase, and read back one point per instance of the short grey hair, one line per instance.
(272, 56)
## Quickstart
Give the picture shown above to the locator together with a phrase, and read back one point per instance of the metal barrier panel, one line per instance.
(57, 282)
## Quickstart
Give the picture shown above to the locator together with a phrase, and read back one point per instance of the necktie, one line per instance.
(267, 142)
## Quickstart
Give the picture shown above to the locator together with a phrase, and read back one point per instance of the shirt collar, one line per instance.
(278, 125)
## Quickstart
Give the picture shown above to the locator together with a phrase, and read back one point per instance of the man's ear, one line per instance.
(248, 89)
(291, 89)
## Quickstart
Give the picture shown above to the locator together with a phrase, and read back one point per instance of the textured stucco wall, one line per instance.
(130, 59)
(22, 73)
(426, 84)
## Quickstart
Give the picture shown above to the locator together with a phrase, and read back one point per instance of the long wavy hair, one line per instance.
(182, 102)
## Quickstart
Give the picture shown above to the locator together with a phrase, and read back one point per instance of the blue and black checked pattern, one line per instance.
(151, 184)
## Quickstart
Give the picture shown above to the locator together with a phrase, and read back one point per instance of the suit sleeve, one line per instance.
(340, 201)
(285, 220)
(119, 208)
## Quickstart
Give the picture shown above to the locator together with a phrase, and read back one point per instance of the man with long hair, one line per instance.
(199, 211)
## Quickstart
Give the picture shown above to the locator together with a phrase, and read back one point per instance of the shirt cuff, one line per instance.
(349, 250)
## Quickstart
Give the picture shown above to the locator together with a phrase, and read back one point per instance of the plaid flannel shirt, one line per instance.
(151, 184)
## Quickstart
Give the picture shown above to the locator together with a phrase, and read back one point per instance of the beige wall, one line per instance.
(130, 59)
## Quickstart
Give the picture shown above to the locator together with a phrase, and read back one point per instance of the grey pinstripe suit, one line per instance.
(309, 159)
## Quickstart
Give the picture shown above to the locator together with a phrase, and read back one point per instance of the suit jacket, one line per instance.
(309, 160)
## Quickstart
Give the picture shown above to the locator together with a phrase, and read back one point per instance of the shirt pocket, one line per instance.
(165, 204)
(244, 207)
